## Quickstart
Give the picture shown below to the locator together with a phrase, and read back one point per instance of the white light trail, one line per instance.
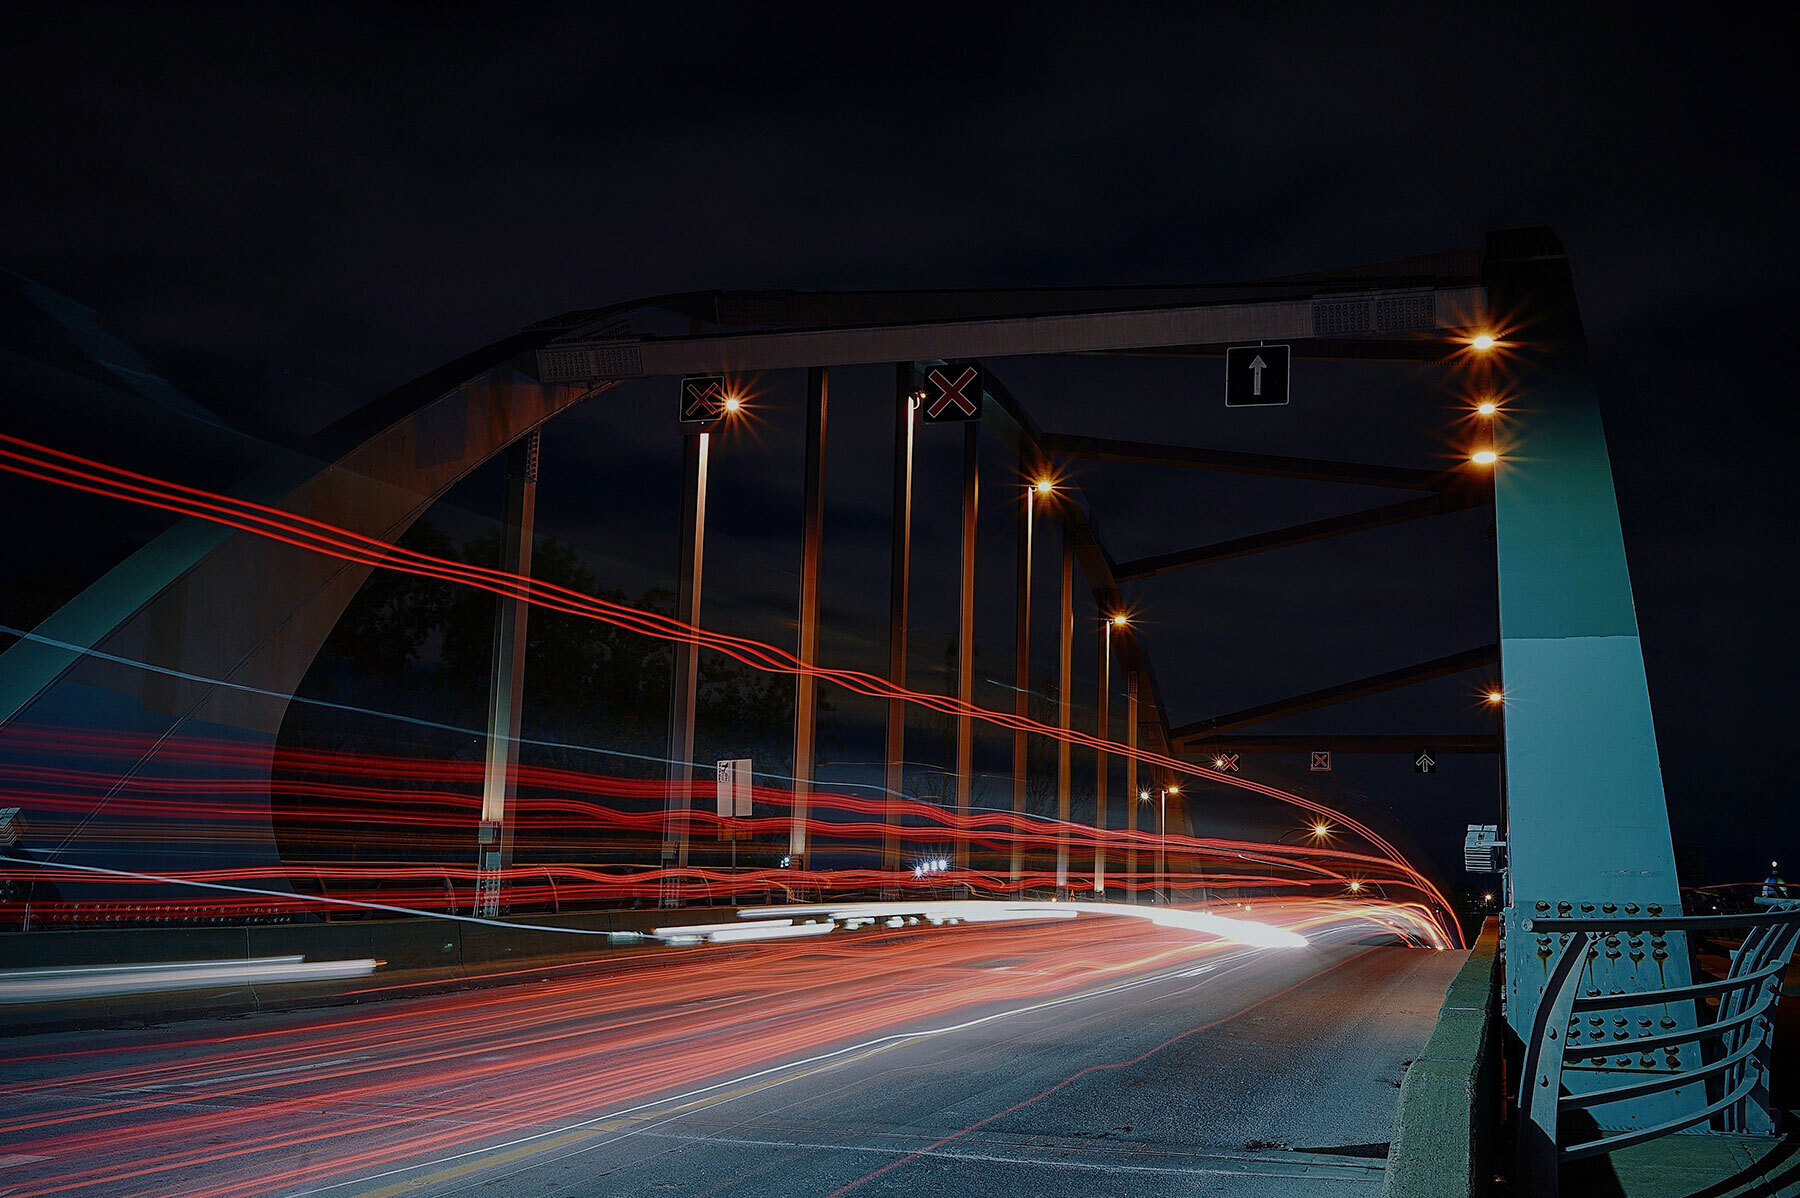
(92, 981)
(1239, 931)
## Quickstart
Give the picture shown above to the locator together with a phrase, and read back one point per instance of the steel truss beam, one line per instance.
(1187, 457)
(1444, 502)
(1441, 667)
(1404, 315)
(1439, 743)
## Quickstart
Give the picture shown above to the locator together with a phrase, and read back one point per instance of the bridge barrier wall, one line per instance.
(418, 956)
(1450, 1097)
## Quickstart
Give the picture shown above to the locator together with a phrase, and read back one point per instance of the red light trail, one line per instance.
(562, 813)
(353, 1094)
(64, 469)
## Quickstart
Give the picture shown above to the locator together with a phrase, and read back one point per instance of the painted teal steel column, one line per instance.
(1587, 824)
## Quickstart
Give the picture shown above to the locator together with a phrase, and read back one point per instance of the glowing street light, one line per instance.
(1484, 457)
(733, 405)
(1355, 887)
(1318, 831)
(1496, 697)
(1162, 823)
(1481, 342)
(1044, 486)
(1487, 407)
(1118, 622)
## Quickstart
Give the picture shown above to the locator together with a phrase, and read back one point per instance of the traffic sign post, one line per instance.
(1424, 763)
(953, 393)
(1256, 376)
(702, 398)
(734, 789)
(734, 803)
(1321, 762)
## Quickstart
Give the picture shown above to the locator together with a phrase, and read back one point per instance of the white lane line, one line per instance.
(1308, 1166)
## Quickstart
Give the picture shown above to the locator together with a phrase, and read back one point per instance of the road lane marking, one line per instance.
(587, 1128)
(1287, 1164)
(929, 1149)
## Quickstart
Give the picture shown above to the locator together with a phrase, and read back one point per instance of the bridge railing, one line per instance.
(1719, 1067)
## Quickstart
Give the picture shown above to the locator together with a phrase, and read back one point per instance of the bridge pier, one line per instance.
(1587, 824)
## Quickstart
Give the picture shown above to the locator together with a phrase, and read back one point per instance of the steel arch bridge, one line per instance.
(240, 617)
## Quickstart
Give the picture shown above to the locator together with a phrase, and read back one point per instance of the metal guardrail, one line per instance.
(1721, 1063)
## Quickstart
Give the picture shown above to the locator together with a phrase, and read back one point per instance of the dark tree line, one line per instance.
(596, 696)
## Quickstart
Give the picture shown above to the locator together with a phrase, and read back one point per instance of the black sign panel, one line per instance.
(702, 398)
(952, 393)
(1424, 763)
(1256, 376)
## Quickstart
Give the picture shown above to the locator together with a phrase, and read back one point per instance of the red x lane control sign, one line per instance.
(702, 398)
(953, 393)
(1321, 762)
(1226, 763)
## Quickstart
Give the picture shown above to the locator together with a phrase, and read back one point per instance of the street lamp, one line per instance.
(1117, 622)
(1318, 830)
(686, 658)
(1038, 486)
(1484, 457)
(1162, 824)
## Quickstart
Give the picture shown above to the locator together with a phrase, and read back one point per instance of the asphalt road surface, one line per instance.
(1088, 1057)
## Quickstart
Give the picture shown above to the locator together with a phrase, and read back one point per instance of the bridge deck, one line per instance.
(1078, 1058)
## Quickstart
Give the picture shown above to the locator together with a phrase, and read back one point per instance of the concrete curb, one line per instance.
(1442, 1129)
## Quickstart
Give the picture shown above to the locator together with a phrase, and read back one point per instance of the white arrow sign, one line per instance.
(1257, 366)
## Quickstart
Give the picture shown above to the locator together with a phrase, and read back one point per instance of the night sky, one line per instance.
(288, 211)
